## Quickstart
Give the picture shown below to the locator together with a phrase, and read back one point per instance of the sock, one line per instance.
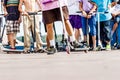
(72, 38)
(52, 42)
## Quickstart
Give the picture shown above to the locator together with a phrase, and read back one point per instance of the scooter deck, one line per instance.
(19, 49)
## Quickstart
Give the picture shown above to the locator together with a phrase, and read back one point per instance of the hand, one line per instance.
(84, 13)
(5, 13)
(24, 13)
(89, 16)
(113, 15)
(19, 20)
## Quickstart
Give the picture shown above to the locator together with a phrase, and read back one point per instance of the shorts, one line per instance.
(12, 26)
(53, 15)
(117, 19)
(75, 21)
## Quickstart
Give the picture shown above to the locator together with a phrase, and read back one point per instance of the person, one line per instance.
(75, 19)
(115, 11)
(88, 8)
(28, 24)
(105, 20)
(51, 13)
(1, 12)
(12, 20)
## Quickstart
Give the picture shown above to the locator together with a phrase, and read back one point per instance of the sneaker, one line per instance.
(51, 50)
(27, 51)
(39, 51)
(94, 49)
(76, 44)
(108, 47)
(12, 48)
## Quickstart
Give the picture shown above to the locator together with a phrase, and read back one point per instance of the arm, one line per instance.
(4, 8)
(112, 4)
(94, 8)
(20, 8)
(39, 4)
(81, 9)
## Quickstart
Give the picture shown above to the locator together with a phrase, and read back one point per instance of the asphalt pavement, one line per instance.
(100, 65)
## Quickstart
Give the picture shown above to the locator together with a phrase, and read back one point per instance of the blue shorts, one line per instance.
(91, 24)
(117, 19)
(75, 21)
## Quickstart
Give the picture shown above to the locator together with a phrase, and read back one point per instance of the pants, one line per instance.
(28, 22)
(105, 30)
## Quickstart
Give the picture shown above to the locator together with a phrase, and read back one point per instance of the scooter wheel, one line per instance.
(68, 49)
(86, 51)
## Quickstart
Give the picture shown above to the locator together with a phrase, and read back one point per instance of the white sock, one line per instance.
(81, 36)
(52, 42)
(72, 38)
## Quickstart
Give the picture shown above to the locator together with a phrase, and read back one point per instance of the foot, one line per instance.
(108, 47)
(12, 48)
(76, 44)
(39, 51)
(27, 51)
(51, 50)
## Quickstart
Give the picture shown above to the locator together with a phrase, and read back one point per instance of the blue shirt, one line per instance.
(102, 6)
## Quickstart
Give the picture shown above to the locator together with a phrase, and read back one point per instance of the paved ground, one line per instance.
(104, 65)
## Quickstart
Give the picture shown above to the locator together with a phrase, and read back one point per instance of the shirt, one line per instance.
(87, 6)
(102, 6)
(13, 13)
(115, 9)
(7, 2)
(73, 6)
(53, 5)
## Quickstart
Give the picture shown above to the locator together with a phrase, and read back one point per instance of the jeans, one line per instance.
(91, 23)
(105, 31)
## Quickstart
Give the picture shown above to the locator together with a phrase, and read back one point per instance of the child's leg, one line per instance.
(94, 41)
(69, 30)
(77, 34)
(92, 24)
(11, 40)
(50, 34)
(81, 34)
(116, 22)
(114, 28)
(48, 42)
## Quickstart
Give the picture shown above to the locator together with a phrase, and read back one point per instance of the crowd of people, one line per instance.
(65, 11)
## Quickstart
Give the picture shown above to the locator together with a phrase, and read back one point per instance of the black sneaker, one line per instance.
(51, 50)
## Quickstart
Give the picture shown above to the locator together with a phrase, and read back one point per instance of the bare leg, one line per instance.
(77, 34)
(50, 34)
(94, 41)
(69, 28)
(48, 43)
(114, 28)
(11, 40)
(50, 31)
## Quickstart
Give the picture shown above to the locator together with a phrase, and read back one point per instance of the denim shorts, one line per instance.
(117, 19)
(91, 23)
